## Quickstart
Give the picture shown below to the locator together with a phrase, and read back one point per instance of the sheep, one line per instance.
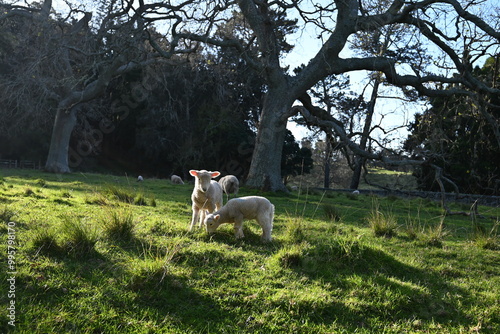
(355, 192)
(238, 209)
(229, 184)
(206, 196)
(140, 178)
(176, 179)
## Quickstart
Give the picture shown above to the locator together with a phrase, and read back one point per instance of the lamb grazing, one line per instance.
(230, 184)
(140, 178)
(206, 196)
(176, 179)
(238, 209)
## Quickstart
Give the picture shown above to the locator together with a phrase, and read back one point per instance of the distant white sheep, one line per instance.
(206, 196)
(140, 178)
(230, 184)
(238, 209)
(355, 192)
(176, 179)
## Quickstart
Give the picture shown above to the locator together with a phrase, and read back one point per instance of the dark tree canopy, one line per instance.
(295, 160)
(456, 134)
(76, 62)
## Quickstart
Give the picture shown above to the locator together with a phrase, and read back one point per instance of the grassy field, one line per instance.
(90, 253)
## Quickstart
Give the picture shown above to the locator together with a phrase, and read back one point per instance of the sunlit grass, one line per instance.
(91, 262)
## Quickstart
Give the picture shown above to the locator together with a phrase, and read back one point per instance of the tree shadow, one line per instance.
(78, 290)
(366, 274)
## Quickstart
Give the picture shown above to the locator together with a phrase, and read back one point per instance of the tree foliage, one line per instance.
(84, 67)
(295, 160)
(460, 135)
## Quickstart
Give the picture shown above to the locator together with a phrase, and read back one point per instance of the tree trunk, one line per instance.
(360, 161)
(265, 168)
(57, 160)
(326, 181)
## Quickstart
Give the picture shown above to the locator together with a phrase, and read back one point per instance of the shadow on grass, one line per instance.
(377, 288)
(138, 284)
(97, 292)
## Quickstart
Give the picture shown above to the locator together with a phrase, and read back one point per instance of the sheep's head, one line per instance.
(203, 178)
(212, 222)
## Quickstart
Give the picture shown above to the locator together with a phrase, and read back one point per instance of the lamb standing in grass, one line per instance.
(206, 196)
(175, 179)
(230, 184)
(238, 209)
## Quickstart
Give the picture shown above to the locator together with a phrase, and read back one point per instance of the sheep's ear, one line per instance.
(216, 217)
(193, 172)
(215, 174)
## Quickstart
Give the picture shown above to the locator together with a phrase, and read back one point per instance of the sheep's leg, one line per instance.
(267, 227)
(238, 229)
(203, 214)
(266, 233)
(194, 219)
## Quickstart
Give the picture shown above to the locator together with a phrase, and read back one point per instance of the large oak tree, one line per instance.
(456, 33)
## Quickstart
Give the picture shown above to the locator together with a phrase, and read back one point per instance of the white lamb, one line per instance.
(238, 209)
(230, 184)
(206, 196)
(176, 179)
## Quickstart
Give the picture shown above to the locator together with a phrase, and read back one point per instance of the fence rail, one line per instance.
(26, 164)
(436, 196)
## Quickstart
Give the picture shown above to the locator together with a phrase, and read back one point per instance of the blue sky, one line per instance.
(397, 113)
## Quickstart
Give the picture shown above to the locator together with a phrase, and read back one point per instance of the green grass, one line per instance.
(99, 254)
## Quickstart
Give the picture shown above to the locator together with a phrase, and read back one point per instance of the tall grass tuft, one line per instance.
(140, 199)
(6, 214)
(382, 224)
(121, 194)
(332, 212)
(486, 239)
(434, 235)
(119, 225)
(28, 192)
(290, 256)
(79, 237)
(41, 183)
(155, 264)
(341, 248)
(96, 198)
(45, 241)
(294, 232)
